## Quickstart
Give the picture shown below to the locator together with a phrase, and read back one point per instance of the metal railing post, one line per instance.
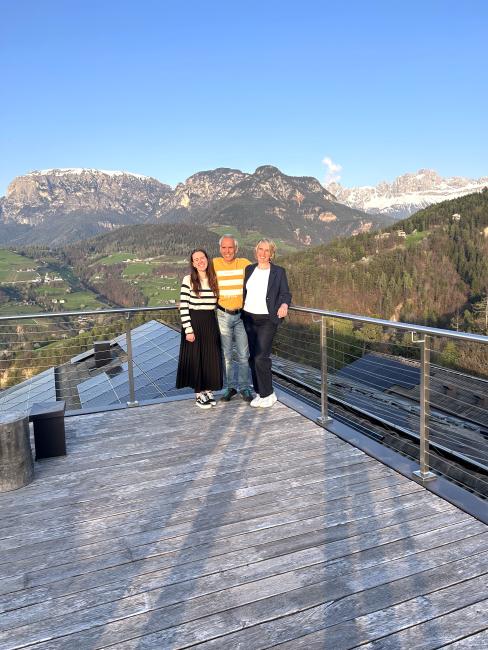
(130, 363)
(324, 418)
(424, 473)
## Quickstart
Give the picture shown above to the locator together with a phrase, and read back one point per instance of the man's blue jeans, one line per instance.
(232, 332)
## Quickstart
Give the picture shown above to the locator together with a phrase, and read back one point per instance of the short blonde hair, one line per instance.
(271, 244)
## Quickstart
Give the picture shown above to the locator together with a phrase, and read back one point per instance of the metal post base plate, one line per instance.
(130, 404)
(424, 476)
(323, 421)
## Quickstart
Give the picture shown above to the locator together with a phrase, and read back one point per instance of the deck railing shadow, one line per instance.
(203, 543)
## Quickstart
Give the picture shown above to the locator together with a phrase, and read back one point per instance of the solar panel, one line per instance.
(41, 388)
(380, 373)
(155, 349)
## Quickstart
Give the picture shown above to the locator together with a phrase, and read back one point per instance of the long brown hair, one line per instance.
(196, 285)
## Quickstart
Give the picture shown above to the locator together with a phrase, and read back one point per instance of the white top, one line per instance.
(257, 288)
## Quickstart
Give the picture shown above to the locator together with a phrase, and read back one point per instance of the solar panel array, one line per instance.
(380, 373)
(41, 388)
(155, 349)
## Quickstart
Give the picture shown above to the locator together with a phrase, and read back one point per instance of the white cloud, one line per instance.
(333, 171)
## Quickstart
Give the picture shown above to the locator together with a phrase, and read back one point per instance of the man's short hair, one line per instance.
(236, 243)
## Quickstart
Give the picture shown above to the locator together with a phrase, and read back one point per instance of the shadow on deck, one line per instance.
(170, 527)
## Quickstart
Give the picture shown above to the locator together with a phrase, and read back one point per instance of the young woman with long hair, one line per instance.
(200, 361)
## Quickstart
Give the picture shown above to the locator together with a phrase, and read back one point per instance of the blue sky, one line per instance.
(170, 88)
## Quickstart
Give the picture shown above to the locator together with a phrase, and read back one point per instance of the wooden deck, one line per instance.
(171, 527)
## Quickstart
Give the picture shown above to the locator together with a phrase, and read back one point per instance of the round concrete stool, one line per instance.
(16, 465)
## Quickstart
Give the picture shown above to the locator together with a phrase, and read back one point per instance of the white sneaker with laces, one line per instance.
(255, 402)
(202, 402)
(210, 397)
(267, 402)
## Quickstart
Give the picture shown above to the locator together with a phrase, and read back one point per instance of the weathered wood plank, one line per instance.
(239, 527)
(280, 564)
(424, 625)
(442, 630)
(313, 456)
(158, 598)
(261, 472)
(223, 512)
(477, 641)
(159, 629)
(191, 499)
(84, 567)
(127, 474)
(219, 486)
(28, 549)
(53, 553)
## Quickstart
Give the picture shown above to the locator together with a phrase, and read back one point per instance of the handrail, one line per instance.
(95, 312)
(409, 327)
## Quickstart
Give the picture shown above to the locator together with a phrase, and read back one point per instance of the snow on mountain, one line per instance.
(407, 193)
(70, 171)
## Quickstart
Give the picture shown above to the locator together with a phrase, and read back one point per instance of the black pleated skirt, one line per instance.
(200, 362)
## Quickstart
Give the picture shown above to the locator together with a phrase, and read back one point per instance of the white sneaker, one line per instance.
(267, 402)
(255, 402)
(203, 402)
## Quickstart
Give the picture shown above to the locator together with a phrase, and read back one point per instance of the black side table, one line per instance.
(49, 435)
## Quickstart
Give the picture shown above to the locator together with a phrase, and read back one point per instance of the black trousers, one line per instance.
(260, 332)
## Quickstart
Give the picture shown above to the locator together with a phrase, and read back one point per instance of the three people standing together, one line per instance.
(251, 300)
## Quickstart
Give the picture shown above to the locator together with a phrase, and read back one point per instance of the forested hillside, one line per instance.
(157, 252)
(147, 239)
(431, 268)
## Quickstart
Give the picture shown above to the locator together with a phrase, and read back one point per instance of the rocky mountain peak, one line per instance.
(200, 189)
(270, 181)
(61, 205)
(40, 194)
(265, 171)
(407, 193)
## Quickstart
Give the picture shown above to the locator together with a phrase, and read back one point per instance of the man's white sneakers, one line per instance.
(264, 402)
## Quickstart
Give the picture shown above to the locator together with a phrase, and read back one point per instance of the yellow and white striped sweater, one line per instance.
(230, 276)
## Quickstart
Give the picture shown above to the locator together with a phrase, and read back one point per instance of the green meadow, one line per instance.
(72, 301)
(415, 237)
(10, 265)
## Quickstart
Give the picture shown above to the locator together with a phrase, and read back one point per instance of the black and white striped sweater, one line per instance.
(189, 300)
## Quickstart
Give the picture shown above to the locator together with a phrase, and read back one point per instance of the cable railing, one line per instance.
(89, 359)
(428, 384)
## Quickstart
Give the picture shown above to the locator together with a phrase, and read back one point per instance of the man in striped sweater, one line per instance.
(230, 276)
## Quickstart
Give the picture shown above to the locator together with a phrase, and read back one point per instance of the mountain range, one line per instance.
(59, 206)
(407, 193)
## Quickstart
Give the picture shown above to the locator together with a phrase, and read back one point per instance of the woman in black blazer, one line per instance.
(266, 301)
